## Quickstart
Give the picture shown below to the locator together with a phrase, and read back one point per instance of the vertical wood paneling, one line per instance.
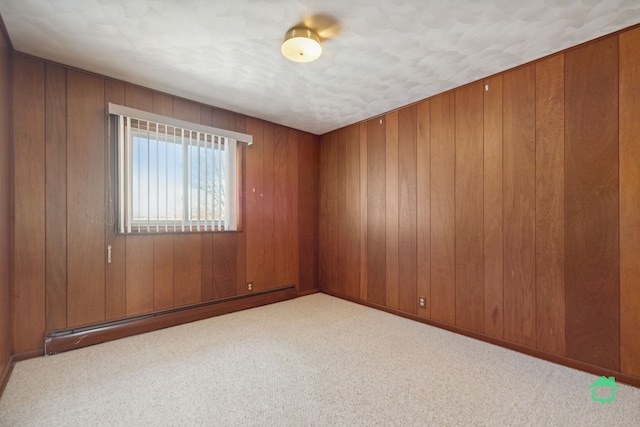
(391, 208)
(308, 191)
(519, 205)
(70, 277)
(285, 199)
(115, 280)
(29, 203)
(240, 237)
(206, 266)
(139, 275)
(342, 228)
(86, 249)
(187, 253)
(407, 210)
(255, 224)
(493, 237)
(363, 210)
(592, 241)
(376, 195)
(162, 272)
(352, 211)
(329, 212)
(550, 205)
(291, 179)
(228, 249)
(469, 207)
(186, 269)
(280, 201)
(225, 265)
(5, 205)
(443, 297)
(206, 239)
(630, 202)
(56, 196)
(162, 245)
(423, 201)
(269, 208)
(139, 270)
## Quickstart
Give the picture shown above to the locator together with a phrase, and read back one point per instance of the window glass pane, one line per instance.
(174, 180)
(157, 179)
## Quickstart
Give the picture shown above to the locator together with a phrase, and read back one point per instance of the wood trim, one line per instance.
(25, 355)
(63, 340)
(308, 292)
(560, 360)
(6, 373)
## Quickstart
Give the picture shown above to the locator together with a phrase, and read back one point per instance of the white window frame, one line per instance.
(219, 139)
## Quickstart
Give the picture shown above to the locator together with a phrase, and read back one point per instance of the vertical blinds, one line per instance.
(174, 176)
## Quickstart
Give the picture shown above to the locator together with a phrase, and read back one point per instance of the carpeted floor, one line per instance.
(315, 360)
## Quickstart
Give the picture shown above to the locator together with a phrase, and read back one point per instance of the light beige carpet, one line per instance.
(315, 360)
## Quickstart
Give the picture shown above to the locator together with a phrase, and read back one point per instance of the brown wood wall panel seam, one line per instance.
(342, 228)
(550, 297)
(423, 209)
(224, 265)
(376, 239)
(363, 211)
(139, 275)
(6, 188)
(186, 270)
(630, 202)
(308, 197)
(443, 298)
(328, 211)
(519, 205)
(293, 142)
(493, 209)
(86, 254)
(407, 210)
(115, 280)
(56, 196)
(285, 192)
(241, 237)
(592, 244)
(163, 272)
(254, 227)
(352, 211)
(6, 211)
(269, 206)
(469, 223)
(391, 209)
(29, 193)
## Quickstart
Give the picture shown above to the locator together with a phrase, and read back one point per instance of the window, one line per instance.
(174, 176)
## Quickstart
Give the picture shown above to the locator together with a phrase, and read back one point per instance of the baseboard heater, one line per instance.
(69, 339)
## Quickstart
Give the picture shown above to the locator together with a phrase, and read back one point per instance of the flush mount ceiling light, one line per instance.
(301, 45)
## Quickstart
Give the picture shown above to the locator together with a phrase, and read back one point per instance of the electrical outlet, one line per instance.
(250, 286)
(423, 302)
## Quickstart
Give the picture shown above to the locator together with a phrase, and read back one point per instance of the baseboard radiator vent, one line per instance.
(69, 339)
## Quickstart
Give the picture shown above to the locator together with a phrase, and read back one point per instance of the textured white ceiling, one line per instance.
(378, 55)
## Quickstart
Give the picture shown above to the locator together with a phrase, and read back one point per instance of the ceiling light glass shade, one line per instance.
(301, 45)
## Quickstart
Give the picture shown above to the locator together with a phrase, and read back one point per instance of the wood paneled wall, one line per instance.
(62, 162)
(511, 204)
(5, 210)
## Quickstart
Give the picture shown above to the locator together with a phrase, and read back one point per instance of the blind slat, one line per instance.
(174, 179)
